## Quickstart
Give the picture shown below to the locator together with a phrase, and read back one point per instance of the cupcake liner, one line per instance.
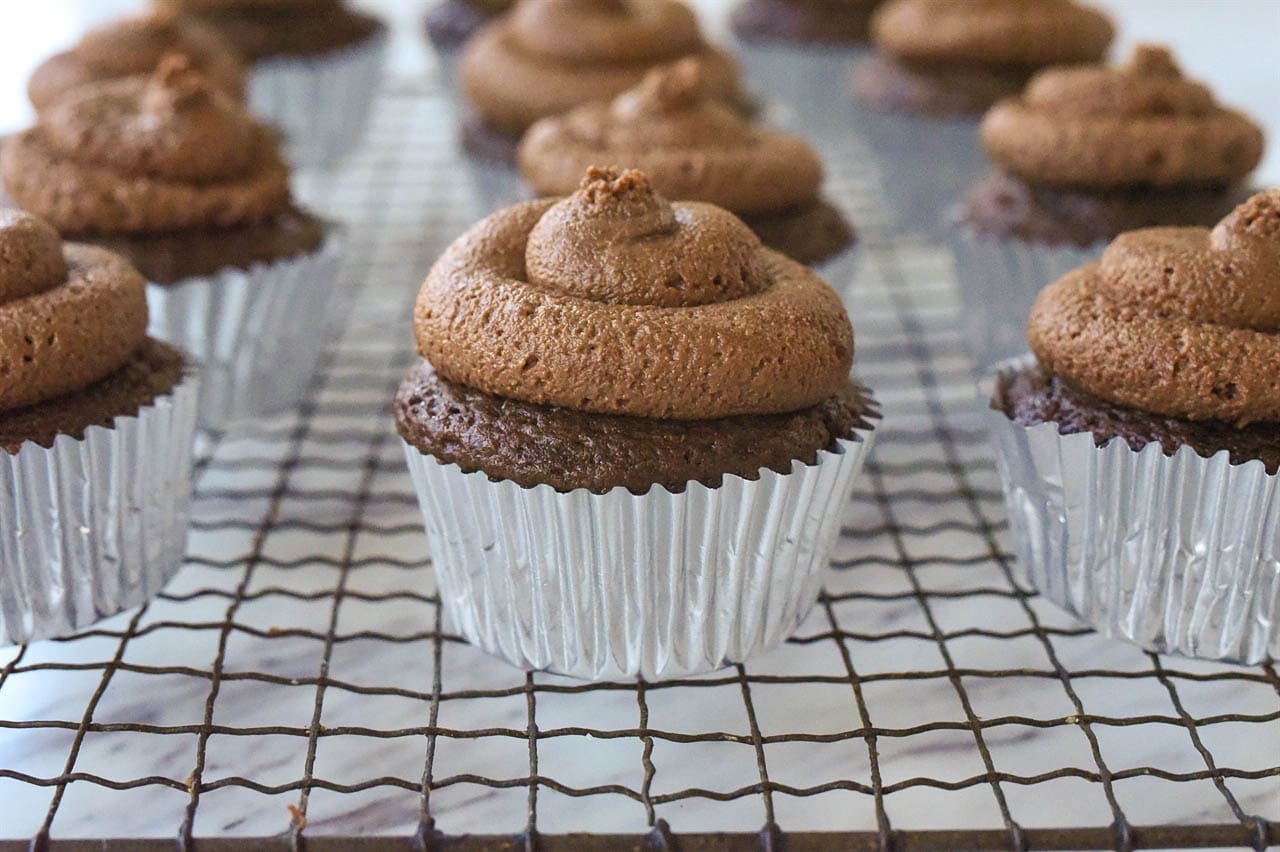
(999, 281)
(600, 586)
(1177, 554)
(258, 332)
(321, 104)
(925, 165)
(799, 80)
(97, 525)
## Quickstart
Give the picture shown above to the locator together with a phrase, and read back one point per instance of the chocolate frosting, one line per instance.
(616, 301)
(144, 154)
(69, 315)
(131, 46)
(261, 29)
(688, 142)
(991, 32)
(1182, 322)
(548, 56)
(1140, 124)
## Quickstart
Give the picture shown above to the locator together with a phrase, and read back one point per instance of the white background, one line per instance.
(1234, 45)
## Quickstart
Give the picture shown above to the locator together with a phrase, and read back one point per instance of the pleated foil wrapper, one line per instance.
(1177, 554)
(925, 166)
(320, 104)
(98, 525)
(618, 585)
(999, 281)
(799, 81)
(257, 332)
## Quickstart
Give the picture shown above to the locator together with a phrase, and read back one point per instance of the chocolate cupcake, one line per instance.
(548, 56)
(631, 435)
(315, 66)
(798, 52)
(179, 179)
(133, 46)
(450, 23)
(1140, 447)
(1086, 153)
(939, 64)
(694, 147)
(96, 429)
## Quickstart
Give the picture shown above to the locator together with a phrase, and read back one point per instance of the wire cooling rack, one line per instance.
(296, 687)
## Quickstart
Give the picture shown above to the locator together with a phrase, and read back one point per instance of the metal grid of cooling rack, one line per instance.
(296, 687)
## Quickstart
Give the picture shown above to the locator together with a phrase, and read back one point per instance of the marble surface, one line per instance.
(302, 640)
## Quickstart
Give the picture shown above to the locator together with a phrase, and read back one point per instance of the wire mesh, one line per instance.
(296, 686)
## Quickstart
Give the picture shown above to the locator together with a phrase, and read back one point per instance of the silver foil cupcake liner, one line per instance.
(320, 104)
(1177, 554)
(999, 281)
(96, 525)
(925, 165)
(803, 85)
(601, 586)
(258, 332)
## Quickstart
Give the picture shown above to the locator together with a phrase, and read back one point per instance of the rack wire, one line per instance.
(297, 687)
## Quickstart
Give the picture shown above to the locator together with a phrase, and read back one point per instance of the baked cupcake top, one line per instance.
(616, 301)
(131, 46)
(259, 29)
(548, 56)
(1139, 124)
(70, 314)
(689, 144)
(1179, 322)
(146, 154)
(991, 32)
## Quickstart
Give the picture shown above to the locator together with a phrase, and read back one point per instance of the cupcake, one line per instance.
(939, 64)
(632, 433)
(96, 429)
(798, 52)
(694, 147)
(177, 177)
(548, 56)
(450, 23)
(1084, 154)
(133, 46)
(315, 65)
(1140, 445)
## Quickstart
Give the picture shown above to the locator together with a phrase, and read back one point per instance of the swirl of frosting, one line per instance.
(143, 154)
(1180, 322)
(1140, 124)
(133, 46)
(689, 144)
(548, 56)
(991, 32)
(69, 315)
(615, 301)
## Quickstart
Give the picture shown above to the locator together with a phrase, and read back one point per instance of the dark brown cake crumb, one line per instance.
(1032, 397)
(153, 371)
(810, 233)
(566, 449)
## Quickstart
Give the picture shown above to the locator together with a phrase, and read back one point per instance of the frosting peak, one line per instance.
(615, 301)
(618, 241)
(1181, 322)
(674, 88)
(69, 315)
(1139, 124)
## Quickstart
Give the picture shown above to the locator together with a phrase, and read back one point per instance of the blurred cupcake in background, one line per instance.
(632, 432)
(314, 67)
(939, 64)
(130, 46)
(1140, 445)
(797, 52)
(450, 23)
(694, 147)
(177, 177)
(97, 422)
(1085, 153)
(548, 56)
